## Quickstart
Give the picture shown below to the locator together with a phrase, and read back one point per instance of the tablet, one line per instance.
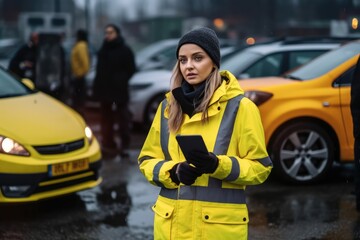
(189, 143)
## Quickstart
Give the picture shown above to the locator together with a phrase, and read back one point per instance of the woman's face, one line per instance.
(110, 34)
(195, 64)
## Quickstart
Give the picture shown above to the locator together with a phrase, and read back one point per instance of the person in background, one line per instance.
(80, 66)
(355, 113)
(115, 66)
(23, 63)
(203, 196)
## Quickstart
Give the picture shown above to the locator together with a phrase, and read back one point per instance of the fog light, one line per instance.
(15, 191)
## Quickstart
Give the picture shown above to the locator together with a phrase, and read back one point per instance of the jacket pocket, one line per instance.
(162, 220)
(224, 222)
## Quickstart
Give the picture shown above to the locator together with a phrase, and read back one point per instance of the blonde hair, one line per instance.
(176, 116)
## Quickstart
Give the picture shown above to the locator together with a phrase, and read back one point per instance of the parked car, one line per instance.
(46, 148)
(8, 48)
(306, 115)
(278, 57)
(156, 55)
(274, 58)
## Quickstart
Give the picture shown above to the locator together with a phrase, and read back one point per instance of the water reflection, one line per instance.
(116, 202)
(318, 211)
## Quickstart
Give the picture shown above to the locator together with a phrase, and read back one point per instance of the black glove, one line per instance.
(204, 162)
(184, 173)
(173, 175)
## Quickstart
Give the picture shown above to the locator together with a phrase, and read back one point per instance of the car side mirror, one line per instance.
(30, 84)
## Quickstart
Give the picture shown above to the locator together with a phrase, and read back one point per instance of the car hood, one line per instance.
(263, 83)
(150, 77)
(38, 119)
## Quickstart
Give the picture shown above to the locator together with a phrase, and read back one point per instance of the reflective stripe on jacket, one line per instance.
(214, 206)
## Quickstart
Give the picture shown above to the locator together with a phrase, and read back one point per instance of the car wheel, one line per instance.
(151, 109)
(302, 152)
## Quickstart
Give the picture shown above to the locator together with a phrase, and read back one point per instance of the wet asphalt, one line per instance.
(119, 208)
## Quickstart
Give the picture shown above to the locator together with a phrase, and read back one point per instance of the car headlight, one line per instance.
(9, 146)
(89, 134)
(258, 97)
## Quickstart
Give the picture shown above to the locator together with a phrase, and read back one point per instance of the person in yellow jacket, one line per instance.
(80, 66)
(202, 197)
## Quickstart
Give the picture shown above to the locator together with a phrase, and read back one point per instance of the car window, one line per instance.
(267, 66)
(236, 62)
(10, 87)
(326, 62)
(167, 53)
(301, 57)
(154, 48)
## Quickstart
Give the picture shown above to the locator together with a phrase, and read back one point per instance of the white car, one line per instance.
(147, 88)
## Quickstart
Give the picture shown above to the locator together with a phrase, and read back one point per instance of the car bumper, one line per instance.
(27, 179)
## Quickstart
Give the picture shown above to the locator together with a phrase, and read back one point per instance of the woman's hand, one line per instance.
(204, 162)
(183, 172)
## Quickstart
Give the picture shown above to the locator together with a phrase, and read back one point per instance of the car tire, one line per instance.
(302, 152)
(151, 109)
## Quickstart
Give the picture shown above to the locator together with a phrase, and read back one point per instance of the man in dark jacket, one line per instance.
(115, 66)
(355, 112)
(23, 63)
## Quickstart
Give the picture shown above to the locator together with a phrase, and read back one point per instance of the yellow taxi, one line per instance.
(306, 114)
(46, 148)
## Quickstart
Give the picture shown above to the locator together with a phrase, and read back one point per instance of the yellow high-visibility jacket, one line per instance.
(214, 206)
(80, 60)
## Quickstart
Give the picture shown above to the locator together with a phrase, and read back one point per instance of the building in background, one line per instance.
(11, 10)
(146, 21)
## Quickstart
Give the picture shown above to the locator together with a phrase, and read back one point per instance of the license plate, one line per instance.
(68, 167)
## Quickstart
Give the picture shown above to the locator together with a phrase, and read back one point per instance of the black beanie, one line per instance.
(206, 39)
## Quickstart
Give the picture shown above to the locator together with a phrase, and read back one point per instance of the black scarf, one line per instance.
(109, 45)
(188, 97)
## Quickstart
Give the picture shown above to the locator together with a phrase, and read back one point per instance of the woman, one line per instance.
(202, 197)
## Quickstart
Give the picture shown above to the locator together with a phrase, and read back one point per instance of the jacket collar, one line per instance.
(228, 89)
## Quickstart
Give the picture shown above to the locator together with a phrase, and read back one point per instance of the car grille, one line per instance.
(60, 148)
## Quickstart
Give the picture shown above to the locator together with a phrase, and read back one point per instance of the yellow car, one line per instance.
(46, 148)
(306, 114)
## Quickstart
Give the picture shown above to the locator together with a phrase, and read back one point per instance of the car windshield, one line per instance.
(11, 87)
(239, 61)
(326, 62)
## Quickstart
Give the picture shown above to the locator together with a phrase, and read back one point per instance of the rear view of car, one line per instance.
(46, 148)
